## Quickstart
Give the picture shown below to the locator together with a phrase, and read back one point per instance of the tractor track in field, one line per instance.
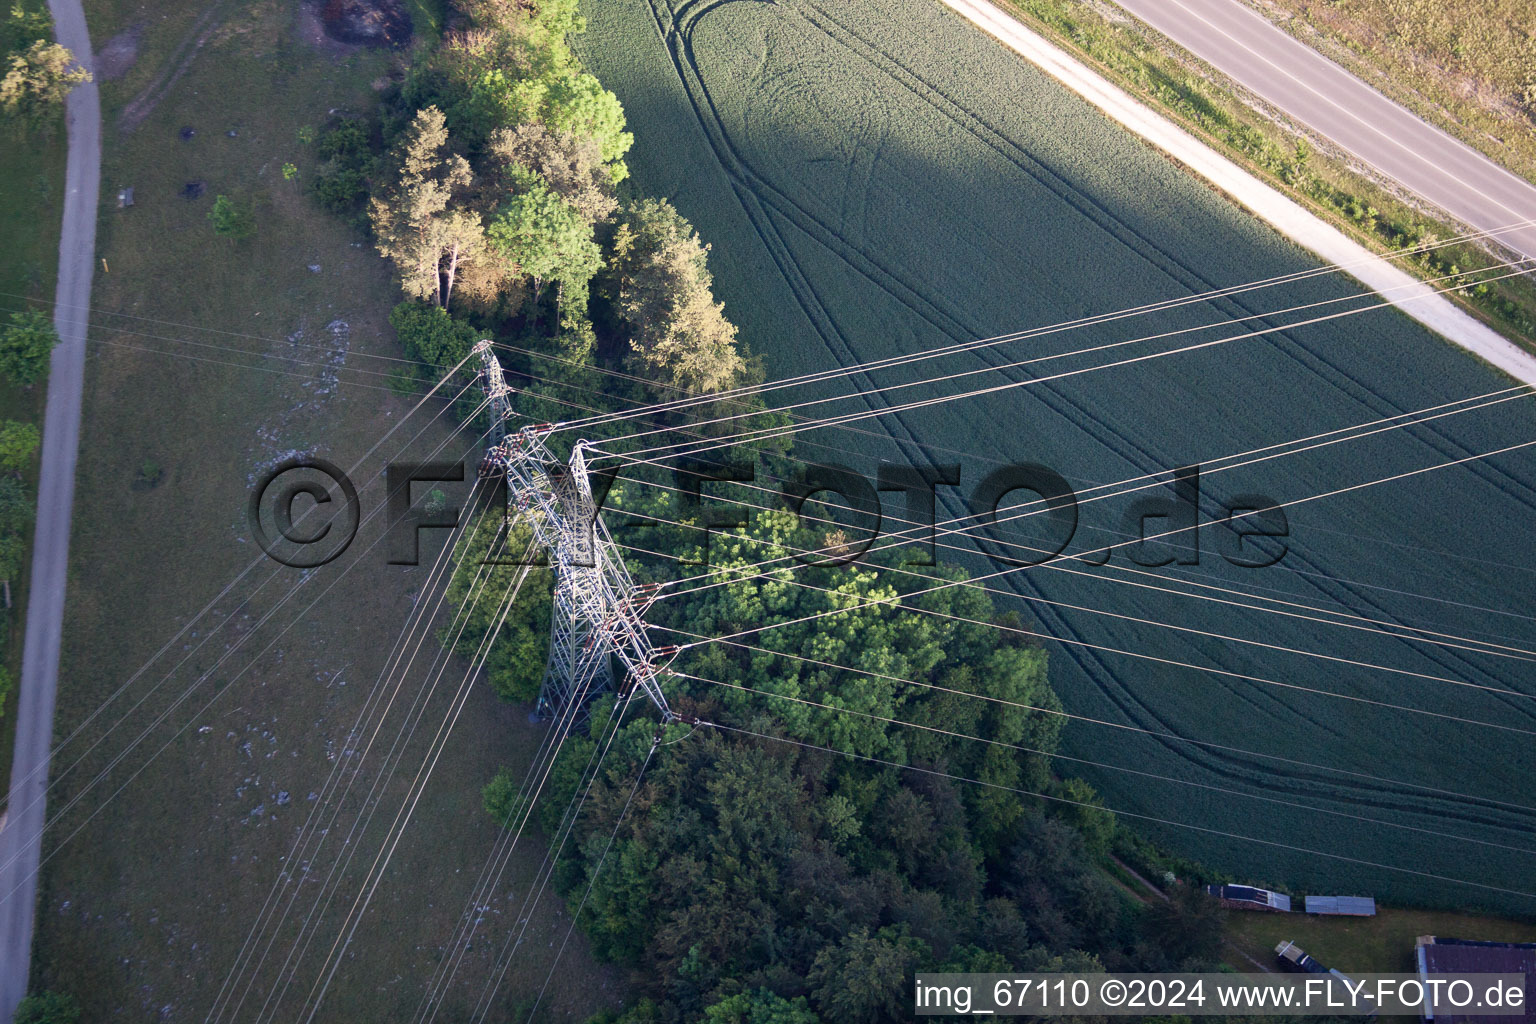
(782, 258)
(760, 200)
(912, 297)
(805, 220)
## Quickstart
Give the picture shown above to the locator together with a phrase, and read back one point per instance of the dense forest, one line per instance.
(863, 784)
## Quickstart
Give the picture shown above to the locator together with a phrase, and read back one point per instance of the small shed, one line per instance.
(1351, 906)
(125, 198)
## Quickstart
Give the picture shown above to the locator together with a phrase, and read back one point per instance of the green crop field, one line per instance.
(881, 178)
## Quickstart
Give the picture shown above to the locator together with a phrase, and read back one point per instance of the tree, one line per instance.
(503, 799)
(1083, 808)
(38, 79)
(487, 571)
(571, 165)
(460, 242)
(428, 244)
(546, 238)
(760, 1006)
(678, 333)
(866, 979)
(428, 333)
(347, 160)
(17, 513)
(25, 346)
(18, 443)
(47, 1008)
(24, 25)
(576, 102)
(1185, 929)
(231, 219)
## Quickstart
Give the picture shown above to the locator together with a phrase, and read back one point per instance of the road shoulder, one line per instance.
(1412, 296)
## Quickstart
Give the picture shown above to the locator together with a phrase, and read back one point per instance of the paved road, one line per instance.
(1415, 298)
(21, 839)
(1248, 48)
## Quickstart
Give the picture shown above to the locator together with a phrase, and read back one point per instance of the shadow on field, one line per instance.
(883, 181)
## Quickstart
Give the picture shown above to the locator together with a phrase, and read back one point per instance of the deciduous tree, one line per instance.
(25, 345)
(571, 165)
(17, 513)
(428, 333)
(546, 238)
(866, 979)
(760, 1006)
(231, 219)
(48, 1008)
(37, 79)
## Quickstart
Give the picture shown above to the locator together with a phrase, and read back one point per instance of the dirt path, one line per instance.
(1231, 946)
(21, 839)
(145, 102)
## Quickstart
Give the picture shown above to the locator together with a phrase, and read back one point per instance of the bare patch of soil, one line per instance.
(356, 23)
(115, 58)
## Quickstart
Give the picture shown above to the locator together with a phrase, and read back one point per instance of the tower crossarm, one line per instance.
(598, 610)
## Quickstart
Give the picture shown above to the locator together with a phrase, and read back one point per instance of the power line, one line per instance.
(1113, 810)
(591, 881)
(970, 345)
(1058, 756)
(423, 612)
(1106, 723)
(58, 815)
(680, 450)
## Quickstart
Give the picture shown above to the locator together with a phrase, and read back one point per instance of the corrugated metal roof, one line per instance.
(1358, 906)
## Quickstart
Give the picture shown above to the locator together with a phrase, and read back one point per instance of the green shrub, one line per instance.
(428, 333)
(48, 1008)
(25, 345)
(231, 219)
(18, 443)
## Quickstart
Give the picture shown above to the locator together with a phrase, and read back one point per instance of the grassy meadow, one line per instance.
(884, 179)
(1382, 943)
(209, 360)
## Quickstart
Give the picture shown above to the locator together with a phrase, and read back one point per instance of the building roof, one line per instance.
(1469, 956)
(1253, 894)
(1360, 906)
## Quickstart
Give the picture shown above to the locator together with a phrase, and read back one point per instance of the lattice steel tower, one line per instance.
(598, 609)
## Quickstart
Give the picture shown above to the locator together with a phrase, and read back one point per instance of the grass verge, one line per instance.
(1297, 163)
(1468, 66)
(31, 214)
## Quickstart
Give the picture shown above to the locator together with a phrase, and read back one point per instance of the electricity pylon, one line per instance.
(598, 609)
